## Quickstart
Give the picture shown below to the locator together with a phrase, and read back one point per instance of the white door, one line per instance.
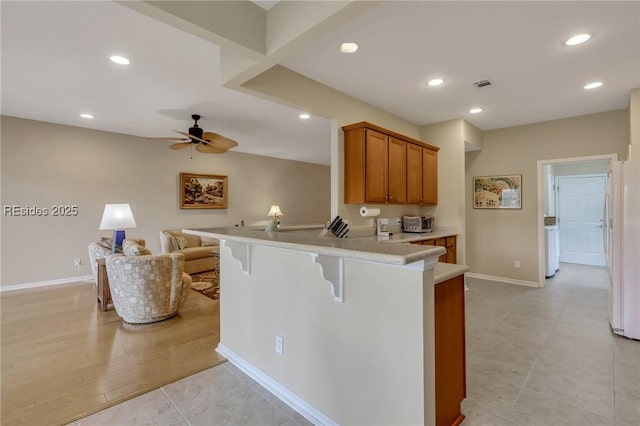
(580, 203)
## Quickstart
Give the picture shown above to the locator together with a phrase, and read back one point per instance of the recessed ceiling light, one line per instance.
(475, 110)
(304, 116)
(119, 60)
(435, 82)
(85, 115)
(577, 39)
(349, 47)
(593, 85)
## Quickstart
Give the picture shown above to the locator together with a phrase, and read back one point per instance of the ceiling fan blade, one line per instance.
(175, 139)
(219, 140)
(190, 136)
(209, 149)
(180, 145)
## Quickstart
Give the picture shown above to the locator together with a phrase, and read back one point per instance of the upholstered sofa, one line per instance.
(146, 287)
(198, 256)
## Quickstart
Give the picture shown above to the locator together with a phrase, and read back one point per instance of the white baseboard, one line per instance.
(46, 283)
(502, 279)
(284, 394)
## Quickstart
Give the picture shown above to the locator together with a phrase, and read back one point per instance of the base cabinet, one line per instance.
(449, 243)
(451, 381)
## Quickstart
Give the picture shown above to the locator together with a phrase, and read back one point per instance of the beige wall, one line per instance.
(45, 164)
(495, 238)
(449, 137)
(472, 136)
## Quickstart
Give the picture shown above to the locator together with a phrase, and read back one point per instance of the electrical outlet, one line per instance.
(516, 264)
(76, 261)
(279, 344)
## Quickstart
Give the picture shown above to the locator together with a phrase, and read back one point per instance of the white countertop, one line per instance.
(408, 237)
(349, 248)
(446, 271)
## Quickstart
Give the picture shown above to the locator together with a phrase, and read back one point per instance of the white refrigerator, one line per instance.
(624, 295)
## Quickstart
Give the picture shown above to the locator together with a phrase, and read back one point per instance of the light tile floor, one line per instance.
(547, 356)
(221, 395)
(534, 357)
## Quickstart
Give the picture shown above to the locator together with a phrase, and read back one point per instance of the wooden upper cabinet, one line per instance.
(354, 166)
(414, 174)
(429, 176)
(381, 166)
(376, 167)
(422, 175)
(397, 171)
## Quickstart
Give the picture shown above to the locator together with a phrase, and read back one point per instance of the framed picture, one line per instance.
(203, 191)
(497, 192)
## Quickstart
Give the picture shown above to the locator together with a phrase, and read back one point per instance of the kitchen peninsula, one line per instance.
(343, 330)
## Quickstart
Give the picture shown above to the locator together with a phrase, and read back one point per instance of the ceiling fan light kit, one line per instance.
(205, 142)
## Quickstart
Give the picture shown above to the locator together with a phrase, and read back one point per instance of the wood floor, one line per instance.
(63, 358)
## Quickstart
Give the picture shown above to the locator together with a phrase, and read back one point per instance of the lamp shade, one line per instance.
(117, 216)
(275, 211)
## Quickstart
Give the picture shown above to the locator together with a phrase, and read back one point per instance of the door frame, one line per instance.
(540, 215)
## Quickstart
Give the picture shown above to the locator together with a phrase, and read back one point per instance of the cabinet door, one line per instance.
(451, 255)
(443, 243)
(354, 167)
(414, 174)
(450, 350)
(429, 176)
(397, 171)
(377, 167)
(451, 250)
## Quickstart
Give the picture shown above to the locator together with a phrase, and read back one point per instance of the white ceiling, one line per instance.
(55, 66)
(518, 46)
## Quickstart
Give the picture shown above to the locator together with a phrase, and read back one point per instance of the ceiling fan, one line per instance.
(207, 142)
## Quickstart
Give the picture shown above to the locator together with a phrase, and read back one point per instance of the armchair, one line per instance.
(100, 250)
(147, 288)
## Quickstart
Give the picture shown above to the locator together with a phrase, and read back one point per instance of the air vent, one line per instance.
(481, 83)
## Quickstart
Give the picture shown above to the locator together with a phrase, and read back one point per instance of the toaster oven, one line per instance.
(418, 223)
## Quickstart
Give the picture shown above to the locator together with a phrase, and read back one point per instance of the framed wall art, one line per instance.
(199, 191)
(497, 192)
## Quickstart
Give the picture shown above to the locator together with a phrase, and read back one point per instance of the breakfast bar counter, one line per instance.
(342, 330)
(366, 249)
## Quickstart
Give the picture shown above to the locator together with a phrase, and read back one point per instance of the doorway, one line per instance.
(548, 203)
(581, 217)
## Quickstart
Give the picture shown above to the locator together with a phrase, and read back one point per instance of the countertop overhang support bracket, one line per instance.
(332, 270)
(240, 252)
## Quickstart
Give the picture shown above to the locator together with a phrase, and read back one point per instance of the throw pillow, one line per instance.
(132, 248)
(107, 243)
(172, 241)
(182, 242)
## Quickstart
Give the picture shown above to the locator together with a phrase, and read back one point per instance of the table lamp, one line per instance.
(117, 217)
(275, 213)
